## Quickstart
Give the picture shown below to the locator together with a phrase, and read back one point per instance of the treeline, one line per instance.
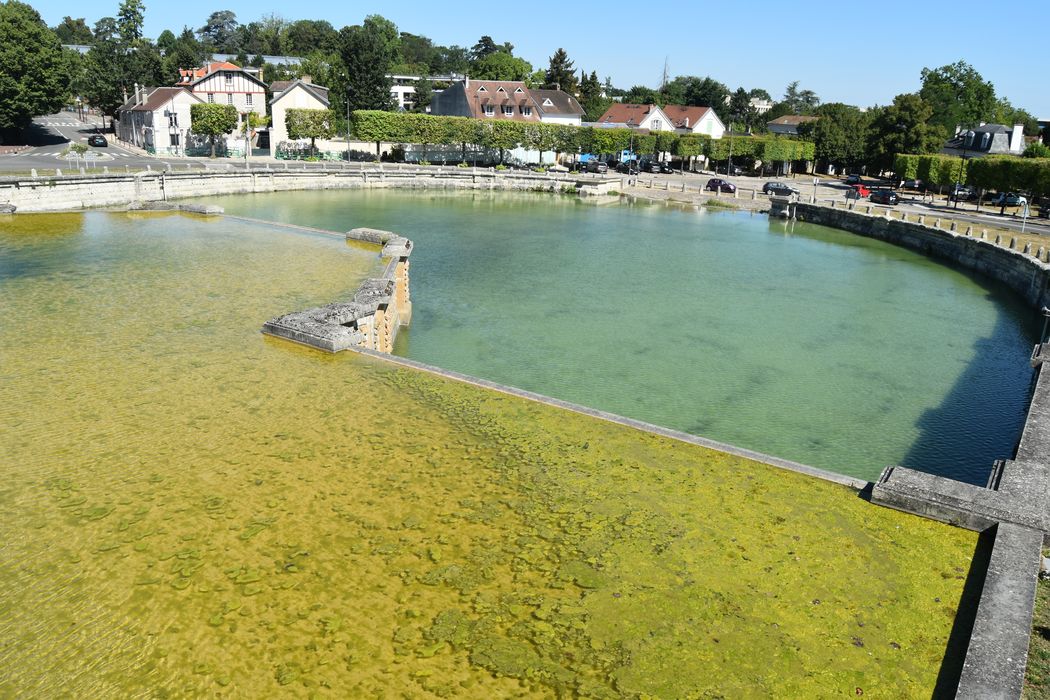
(999, 173)
(504, 135)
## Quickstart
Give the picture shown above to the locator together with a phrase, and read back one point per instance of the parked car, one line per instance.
(627, 167)
(731, 170)
(652, 166)
(1008, 199)
(596, 166)
(781, 188)
(717, 184)
(915, 185)
(97, 140)
(884, 197)
(962, 193)
(857, 192)
(666, 168)
(853, 179)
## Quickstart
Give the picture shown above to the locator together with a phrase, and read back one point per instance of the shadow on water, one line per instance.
(959, 639)
(980, 420)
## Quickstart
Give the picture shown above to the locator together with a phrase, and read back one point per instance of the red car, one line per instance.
(857, 192)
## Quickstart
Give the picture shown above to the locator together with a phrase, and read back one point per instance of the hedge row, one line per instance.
(1000, 173)
(425, 129)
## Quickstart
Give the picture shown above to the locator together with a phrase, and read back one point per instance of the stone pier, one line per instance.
(371, 319)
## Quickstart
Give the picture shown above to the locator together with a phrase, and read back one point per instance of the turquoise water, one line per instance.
(795, 340)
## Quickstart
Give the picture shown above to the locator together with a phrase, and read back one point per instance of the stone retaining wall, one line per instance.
(84, 192)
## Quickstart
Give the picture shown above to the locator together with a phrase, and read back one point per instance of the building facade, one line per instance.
(157, 120)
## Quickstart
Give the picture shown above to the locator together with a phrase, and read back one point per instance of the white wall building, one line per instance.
(292, 94)
(157, 120)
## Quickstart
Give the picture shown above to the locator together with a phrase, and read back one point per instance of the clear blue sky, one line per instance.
(853, 52)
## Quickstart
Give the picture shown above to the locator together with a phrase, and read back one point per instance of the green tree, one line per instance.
(741, 109)
(219, 31)
(760, 94)
(641, 95)
(1037, 150)
(958, 96)
(486, 47)
(591, 99)
(694, 91)
(32, 67)
(839, 136)
(213, 121)
(310, 124)
(800, 101)
(309, 35)
(129, 21)
(185, 52)
(500, 65)
(166, 41)
(366, 55)
(74, 31)
(560, 74)
(903, 127)
(1006, 113)
(451, 59)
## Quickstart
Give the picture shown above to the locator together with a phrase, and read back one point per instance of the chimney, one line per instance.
(466, 82)
(138, 97)
(687, 122)
(308, 79)
(1017, 139)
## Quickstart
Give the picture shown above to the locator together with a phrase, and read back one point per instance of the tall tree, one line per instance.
(31, 67)
(309, 35)
(741, 109)
(903, 127)
(958, 95)
(451, 59)
(74, 31)
(591, 97)
(129, 21)
(185, 52)
(1006, 113)
(800, 101)
(365, 57)
(219, 31)
(483, 48)
(561, 75)
(166, 41)
(424, 94)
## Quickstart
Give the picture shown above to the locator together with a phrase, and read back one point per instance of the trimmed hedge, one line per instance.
(1000, 173)
(426, 129)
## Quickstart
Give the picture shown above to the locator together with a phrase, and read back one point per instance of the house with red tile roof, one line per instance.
(156, 120)
(222, 82)
(631, 116)
(695, 120)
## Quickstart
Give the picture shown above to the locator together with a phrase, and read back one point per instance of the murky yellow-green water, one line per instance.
(190, 509)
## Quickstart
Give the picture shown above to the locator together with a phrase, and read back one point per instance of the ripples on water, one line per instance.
(189, 509)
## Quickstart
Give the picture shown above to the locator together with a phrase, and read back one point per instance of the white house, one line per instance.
(557, 107)
(156, 119)
(695, 120)
(292, 94)
(632, 116)
(221, 82)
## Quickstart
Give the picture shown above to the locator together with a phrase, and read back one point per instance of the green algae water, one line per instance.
(190, 509)
(795, 340)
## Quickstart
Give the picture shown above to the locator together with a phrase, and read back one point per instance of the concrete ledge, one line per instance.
(998, 650)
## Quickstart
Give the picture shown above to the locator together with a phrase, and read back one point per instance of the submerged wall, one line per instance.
(1023, 272)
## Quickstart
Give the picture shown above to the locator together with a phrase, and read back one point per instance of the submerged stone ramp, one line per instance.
(371, 319)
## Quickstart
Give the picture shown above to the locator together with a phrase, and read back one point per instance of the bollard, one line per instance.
(127, 169)
(1042, 251)
(952, 227)
(149, 168)
(984, 234)
(736, 194)
(998, 239)
(58, 172)
(82, 171)
(922, 219)
(1027, 249)
(32, 172)
(754, 195)
(969, 230)
(937, 223)
(683, 187)
(667, 185)
(1013, 244)
(105, 170)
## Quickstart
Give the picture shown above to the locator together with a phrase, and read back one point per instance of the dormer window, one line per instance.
(508, 111)
(500, 89)
(490, 111)
(986, 140)
(526, 111)
(518, 91)
(482, 89)
(547, 103)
